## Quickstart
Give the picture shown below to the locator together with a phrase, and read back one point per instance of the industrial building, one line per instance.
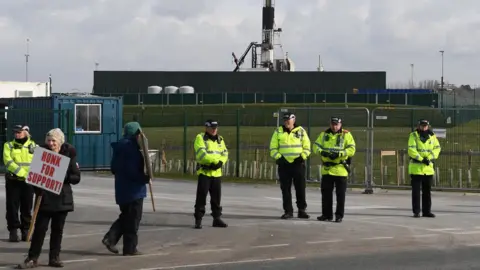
(271, 71)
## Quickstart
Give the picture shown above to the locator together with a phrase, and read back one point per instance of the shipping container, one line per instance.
(90, 123)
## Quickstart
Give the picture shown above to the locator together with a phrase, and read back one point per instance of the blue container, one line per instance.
(91, 122)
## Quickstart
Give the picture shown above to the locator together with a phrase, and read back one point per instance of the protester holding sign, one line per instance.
(130, 190)
(17, 155)
(56, 196)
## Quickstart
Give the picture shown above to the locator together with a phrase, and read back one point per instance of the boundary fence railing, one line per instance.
(381, 137)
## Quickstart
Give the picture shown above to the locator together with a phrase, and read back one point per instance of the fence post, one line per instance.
(237, 168)
(369, 153)
(185, 141)
(309, 127)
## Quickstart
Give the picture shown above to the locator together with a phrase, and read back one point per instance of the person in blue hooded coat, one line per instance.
(130, 190)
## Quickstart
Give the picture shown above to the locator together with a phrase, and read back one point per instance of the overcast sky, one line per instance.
(68, 37)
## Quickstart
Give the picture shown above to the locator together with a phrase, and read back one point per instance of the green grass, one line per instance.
(164, 127)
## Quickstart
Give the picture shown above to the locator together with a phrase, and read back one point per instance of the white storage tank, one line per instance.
(186, 90)
(170, 90)
(154, 89)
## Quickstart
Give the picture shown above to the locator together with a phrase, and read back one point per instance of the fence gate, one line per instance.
(458, 166)
(355, 119)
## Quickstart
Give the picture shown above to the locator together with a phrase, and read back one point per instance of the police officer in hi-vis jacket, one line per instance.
(423, 150)
(211, 154)
(336, 147)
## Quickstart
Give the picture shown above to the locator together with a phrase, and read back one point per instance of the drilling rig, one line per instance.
(270, 35)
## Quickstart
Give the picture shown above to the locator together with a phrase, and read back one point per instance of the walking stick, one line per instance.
(34, 217)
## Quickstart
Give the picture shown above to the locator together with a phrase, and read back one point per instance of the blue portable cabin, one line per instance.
(89, 122)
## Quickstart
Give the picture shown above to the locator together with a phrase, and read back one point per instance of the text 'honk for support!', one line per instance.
(44, 178)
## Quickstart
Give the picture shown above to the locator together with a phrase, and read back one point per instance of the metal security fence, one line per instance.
(247, 134)
(189, 99)
(356, 120)
(458, 130)
(381, 137)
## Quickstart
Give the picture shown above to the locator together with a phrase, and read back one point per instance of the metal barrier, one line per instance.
(458, 166)
(355, 119)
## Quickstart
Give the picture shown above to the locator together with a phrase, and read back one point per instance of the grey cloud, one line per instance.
(69, 36)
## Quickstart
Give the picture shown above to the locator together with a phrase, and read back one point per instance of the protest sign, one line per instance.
(48, 170)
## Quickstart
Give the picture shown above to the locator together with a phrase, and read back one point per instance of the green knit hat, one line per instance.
(131, 129)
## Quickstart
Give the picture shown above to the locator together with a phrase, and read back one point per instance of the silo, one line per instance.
(170, 90)
(154, 89)
(186, 90)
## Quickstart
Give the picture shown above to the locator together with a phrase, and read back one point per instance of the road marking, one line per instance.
(165, 229)
(220, 263)
(148, 255)
(80, 260)
(473, 245)
(101, 233)
(393, 225)
(271, 246)
(424, 235)
(445, 229)
(467, 232)
(377, 238)
(67, 261)
(210, 250)
(324, 241)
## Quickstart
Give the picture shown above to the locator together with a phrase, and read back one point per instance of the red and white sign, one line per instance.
(48, 170)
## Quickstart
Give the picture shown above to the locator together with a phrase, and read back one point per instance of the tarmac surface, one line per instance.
(378, 232)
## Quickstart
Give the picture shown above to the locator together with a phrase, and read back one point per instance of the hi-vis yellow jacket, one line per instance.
(290, 145)
(17, 157)
(341, 142)
(209, 152)
(418, 150)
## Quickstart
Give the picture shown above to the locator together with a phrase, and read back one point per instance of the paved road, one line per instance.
(377, 233)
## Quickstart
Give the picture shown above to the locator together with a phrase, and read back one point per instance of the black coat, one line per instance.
(52, 202)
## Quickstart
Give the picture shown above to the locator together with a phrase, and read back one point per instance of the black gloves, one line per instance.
(325, 154)
(334, 155)
(331, 155)
(281, 161)
(216, 166)
(426, 161)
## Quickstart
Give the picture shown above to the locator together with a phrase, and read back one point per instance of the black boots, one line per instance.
(111, 247)
(217, 222)
(301, 214)
(28, 264)
(198, 224)
(13, 237)
(55, 261)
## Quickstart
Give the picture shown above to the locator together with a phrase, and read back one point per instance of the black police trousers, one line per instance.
(206, 185)
(288, 173)
(127, 225)
(19, 196)
(423, 183)
(56, 233)
(327, 185)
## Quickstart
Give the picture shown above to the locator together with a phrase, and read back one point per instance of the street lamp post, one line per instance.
(412, 84)
(441, 80)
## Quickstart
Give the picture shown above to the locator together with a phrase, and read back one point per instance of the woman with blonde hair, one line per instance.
(54, 207)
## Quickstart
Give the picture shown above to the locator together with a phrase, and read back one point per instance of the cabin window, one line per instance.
(88, 118)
